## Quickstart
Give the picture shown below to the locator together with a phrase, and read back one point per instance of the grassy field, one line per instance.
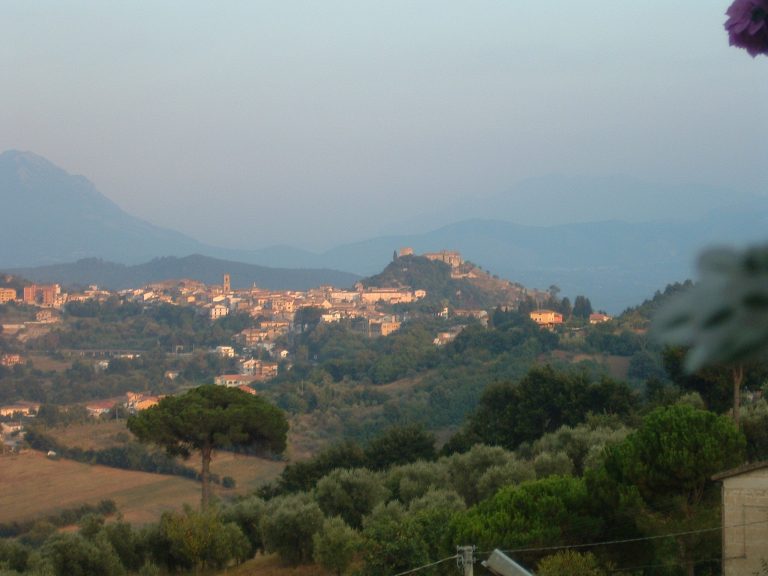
(249, 472)
(94, 435)
(47, 363)
(32, 485)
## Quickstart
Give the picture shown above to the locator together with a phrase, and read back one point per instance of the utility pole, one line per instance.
(465, 559)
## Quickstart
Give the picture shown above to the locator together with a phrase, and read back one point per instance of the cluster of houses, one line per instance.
(250, 370)
(367, 309)
(276, 309)
(550, 318)
(12, 426)
(11, 360)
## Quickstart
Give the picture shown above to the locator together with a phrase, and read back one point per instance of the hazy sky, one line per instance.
(247, 123)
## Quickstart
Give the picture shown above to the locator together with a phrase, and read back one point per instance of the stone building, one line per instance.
(745, 518)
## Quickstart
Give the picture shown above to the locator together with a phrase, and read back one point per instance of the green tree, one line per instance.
(675, 452)
(392, 541)
(711, 383)
(73, 555)
(410, 481)
(571, 563)
(126, 544)
(545, 399)
(200, 539)
(755, 428)
(247, 514)
(465, 470)
(302, 476)
(351, 494)
(582, 307)
(288, 526)
(553, 511)
(400, 445)
(335, 545)
(669, 462)
(497, 477)
(13, 555)
(208, 418)
(433, 514)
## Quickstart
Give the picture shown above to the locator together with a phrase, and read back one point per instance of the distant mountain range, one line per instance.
(50, 217)
(616, 264)
(196, 267)
(558, 199)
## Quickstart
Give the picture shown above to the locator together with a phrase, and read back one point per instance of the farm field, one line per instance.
(249, 472)
(47, 363)
(32, 485)
(92, 435)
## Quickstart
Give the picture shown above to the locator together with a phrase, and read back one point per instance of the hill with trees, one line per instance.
(439, 435)
(465, 286)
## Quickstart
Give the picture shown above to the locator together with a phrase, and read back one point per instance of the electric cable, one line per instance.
(427, 566)
(666, 565)
(623, 541)
(594, 544)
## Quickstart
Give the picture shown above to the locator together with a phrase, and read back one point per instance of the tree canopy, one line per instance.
(676, 451)
(545, 399)
(211, 417)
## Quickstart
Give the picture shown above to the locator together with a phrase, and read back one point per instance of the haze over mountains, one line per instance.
(114, 276)
(50, 217)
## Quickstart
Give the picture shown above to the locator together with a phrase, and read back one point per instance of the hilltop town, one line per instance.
(257, 352)
(518, 388)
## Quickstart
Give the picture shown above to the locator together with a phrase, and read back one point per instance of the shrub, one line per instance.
(350, 494)
(228, 482)
(247, 514)
(411, 481)
(571, 563)
(496, 477)
(200, 539)
(288, 526)
(392, 542)
(754, 422)
(335, 545)
(71, 554)
(466, 469)
(552, 464)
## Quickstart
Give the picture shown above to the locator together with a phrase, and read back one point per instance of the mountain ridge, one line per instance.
(116, 276)
(52, 217)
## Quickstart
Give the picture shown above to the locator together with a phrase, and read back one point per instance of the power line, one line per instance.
(626, 540)
(667, 565)
(595, 544)
(454, 557)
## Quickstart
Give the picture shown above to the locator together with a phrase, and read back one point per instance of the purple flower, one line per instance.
(747, 25)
